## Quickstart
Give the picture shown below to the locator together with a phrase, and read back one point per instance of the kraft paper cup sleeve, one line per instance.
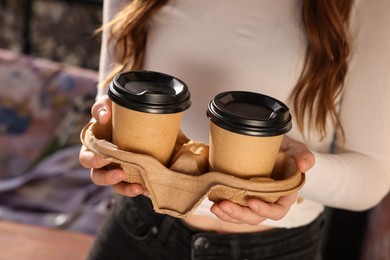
(178, 194)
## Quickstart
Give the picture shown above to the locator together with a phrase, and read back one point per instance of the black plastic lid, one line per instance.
(150, 92)
(249, 113)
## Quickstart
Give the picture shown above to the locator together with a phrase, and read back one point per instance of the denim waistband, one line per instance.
(258, 245)
(280, 243)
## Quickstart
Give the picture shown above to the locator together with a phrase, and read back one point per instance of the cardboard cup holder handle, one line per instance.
(178, 192)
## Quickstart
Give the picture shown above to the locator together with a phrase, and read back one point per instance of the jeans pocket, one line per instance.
(137, 218)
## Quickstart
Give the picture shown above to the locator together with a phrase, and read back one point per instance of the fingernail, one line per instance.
(227, 209)
(101, 114)
(118, 177)
(218, 212)
(254, 206)
(306, 166)
(104, 161)
(136, 190)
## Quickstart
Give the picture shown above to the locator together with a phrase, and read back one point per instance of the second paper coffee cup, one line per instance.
(246, 131)
(147, 110)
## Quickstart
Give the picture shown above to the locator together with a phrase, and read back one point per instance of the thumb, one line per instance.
(101, 110)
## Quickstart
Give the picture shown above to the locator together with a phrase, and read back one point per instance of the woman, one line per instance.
(328, 60)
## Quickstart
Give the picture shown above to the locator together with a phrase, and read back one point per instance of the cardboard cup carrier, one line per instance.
(147, 109)
(246, 130)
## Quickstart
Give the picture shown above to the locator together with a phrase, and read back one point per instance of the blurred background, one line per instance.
(49, 58)
(60, 30)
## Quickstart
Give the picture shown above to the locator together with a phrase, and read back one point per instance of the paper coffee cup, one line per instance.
(246, 130)
(147, 109)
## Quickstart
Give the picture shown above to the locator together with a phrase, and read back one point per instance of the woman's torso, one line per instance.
(216, 46)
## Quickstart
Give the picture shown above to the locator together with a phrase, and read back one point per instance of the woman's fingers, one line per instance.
(104, 177)
(303, 156)
(130, 189)
(274, 211)
(256, 212)
(89, 159)
(231, 212)
(101, 110)
(115, 178)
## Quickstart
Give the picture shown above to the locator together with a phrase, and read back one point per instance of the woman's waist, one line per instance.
(209, 223)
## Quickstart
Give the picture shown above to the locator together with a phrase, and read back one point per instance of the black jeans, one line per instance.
(135, 231)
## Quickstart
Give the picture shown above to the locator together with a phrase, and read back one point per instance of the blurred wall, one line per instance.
(59, 30)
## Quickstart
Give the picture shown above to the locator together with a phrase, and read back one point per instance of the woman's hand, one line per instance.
(101, 172)
(257, 210)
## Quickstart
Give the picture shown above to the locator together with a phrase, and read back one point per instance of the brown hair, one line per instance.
(325, 68)
(128, 33)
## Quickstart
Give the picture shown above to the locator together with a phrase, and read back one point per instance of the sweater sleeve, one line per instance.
(357, 177)
(106, 63)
